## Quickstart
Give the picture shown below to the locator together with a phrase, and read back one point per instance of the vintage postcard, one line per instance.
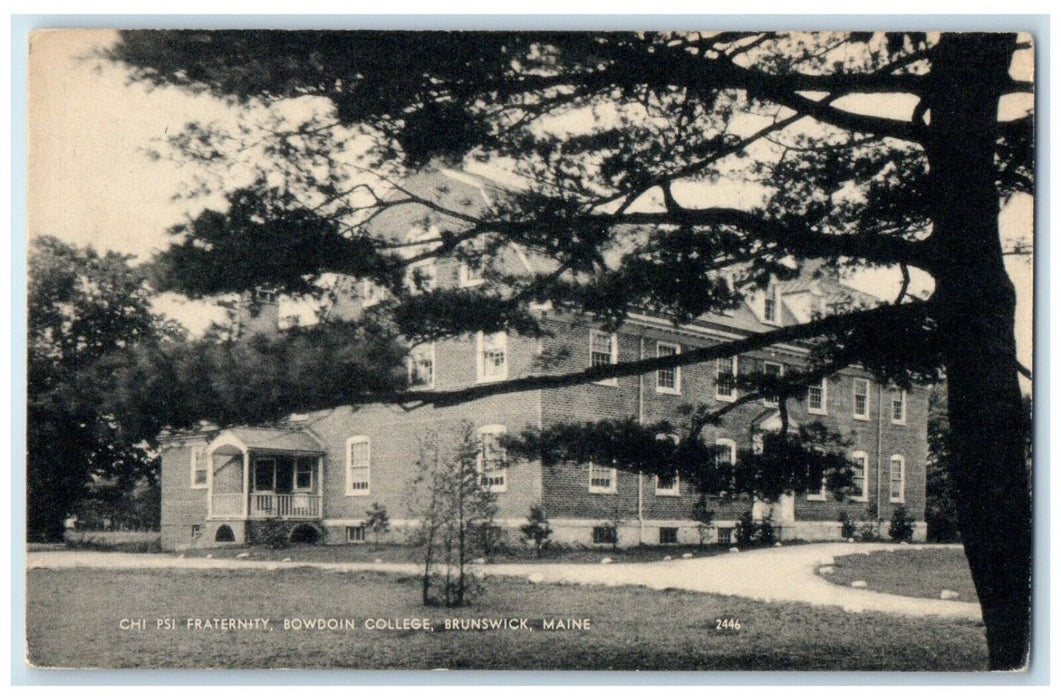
(691, 350)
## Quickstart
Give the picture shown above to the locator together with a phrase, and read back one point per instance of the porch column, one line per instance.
(209, 457)
(246, 484)
(320, 486)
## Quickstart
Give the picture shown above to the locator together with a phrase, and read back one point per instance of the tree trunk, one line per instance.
(976, 324)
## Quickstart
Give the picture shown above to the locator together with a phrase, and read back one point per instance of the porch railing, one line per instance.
(285, 505)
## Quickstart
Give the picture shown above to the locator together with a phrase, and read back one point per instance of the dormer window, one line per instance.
(470, 275)
(422, 276)
(265, 296)
(772, 306)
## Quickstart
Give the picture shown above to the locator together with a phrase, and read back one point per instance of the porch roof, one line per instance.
(267, 440)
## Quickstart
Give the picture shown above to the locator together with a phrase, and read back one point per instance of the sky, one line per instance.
(91, 181)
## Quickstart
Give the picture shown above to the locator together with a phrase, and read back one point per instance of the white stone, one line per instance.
(948, 595)
(377, 560)
(687, 555)
(243, 555)
(209, 556)
(850, 539)
(667, 558)
(535, 578)
(480, 560)
(606, 560)
(858, 584)
(825, 570)
(777, 544)
(733, 550)
(287, 559)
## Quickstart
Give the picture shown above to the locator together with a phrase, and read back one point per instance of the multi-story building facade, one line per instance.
(319, 473)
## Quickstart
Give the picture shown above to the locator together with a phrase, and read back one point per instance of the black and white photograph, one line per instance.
(530, 350)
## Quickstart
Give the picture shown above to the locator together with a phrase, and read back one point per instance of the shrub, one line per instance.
(744, 533)
(901, 528)
(377, 521)
(537, 529)
(848, 528)
(705, 520)
(274, 532)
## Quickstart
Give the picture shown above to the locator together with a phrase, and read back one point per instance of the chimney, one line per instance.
(258, 313)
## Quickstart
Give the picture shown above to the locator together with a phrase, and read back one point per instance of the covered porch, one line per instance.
(259, 473)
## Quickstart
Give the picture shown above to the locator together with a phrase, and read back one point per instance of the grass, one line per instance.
(74, 621)
(391, 553)
(920, 573)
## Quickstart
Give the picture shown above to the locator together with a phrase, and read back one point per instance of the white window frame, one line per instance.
(354, 528)
(820, 494)
(856, 456)
(902, 400)
(613, 339)
(350, 441)
(732, 445)
(824, 409)
(674, 490)
(371, 293)
(302, 459)
(466, 278)
(854, 400)
(774, 294)
(416, 353)
(501, 487)
(410, 276)
(613, 480)
(199, 456)
(480, 364)
(734, 368)
(902, 479)
(677, 388)
(780, 373)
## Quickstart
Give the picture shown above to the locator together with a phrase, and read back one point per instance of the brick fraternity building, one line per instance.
(319, 473)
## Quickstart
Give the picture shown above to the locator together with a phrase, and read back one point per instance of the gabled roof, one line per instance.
(267, 440)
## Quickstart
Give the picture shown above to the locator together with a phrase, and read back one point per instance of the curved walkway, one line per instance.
(776, 574)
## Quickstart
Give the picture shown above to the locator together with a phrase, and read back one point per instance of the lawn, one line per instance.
(75, 617)
(921, 573)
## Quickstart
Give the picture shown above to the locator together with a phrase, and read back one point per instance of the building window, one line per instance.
(726, 379)
(818, 495)
(421, 276)
(725, 535)
(492, 458)
(421, 366)
(772, 369)
(605, 534)
(726, 451)
(470, 275)
(668, 485)
(668, 535)
(371, 293)
(199, 466)
(358, 465)
(818, 397)
(304, 468)
(602, 479)
(860, 480)
(771, 307)
(668, 381)
(604, 350)
(492, 356)
(265, 475)
(897, 479)
(861, 403)
(355, 533)
(899, 407)
(197, 531)
(265, 296)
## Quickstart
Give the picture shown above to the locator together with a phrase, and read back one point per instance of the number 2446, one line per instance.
(727, 623)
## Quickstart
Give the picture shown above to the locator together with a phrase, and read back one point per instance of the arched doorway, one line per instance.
(304, 534)
(224, 534)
